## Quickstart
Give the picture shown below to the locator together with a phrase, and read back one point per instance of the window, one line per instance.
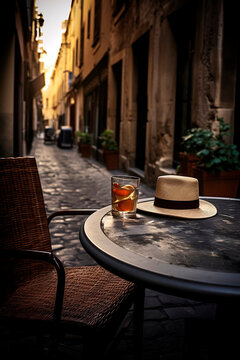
(77, 55)
(89, 24)
(118, 9)
(82, 46)
(97, 21)
(117, 6)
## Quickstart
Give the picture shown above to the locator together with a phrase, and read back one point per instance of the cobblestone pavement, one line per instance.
(70, 181)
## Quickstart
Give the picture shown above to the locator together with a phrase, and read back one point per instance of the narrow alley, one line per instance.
(157, 84)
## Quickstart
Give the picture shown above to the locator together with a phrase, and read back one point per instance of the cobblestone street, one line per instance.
(174, 328)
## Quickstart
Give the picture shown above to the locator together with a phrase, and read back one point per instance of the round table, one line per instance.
(199, 259)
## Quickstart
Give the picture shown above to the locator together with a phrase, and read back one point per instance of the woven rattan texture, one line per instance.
(92, 297)
(23, 222)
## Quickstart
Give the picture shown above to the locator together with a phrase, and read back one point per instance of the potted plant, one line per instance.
(194, 141)
(110, 149)
(84, 143)
(218, 167)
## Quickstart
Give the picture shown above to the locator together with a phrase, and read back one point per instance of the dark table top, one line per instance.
(195, 258)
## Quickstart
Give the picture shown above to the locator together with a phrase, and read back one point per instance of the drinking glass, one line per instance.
(124, 195)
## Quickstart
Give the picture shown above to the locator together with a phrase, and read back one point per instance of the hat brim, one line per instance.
(205, 210)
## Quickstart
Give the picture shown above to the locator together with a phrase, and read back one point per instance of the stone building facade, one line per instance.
(21, 76)
(149, 70)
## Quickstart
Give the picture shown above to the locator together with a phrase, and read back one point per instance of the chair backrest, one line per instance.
(23, 220)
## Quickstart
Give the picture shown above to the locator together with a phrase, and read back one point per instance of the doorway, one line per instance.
(102, 120)
(18, 150)
(95, 114)
(236, 139)
(117, 71)
(140, 63)
(182, 23)
(72, 117)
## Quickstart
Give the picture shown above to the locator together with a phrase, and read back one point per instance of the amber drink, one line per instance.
(124, 195)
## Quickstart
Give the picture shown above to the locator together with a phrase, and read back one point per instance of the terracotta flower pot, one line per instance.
(223, 184)
(111, 159)
(85, 150)
(187, 163)
(183, 163)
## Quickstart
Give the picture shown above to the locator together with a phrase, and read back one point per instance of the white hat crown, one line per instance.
(178, 188)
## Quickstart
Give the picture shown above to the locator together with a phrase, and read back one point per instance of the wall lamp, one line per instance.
(39, 21)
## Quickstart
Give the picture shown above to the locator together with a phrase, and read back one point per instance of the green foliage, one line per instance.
(107, 140)
(196, 139)
(212, 150)
(84, 137)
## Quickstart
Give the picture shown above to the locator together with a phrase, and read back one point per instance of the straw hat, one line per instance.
(178, 196)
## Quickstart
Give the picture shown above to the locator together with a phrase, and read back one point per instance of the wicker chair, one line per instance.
(37, 292)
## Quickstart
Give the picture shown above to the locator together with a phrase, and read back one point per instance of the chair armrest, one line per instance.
(27, 254)
(49, 257)
(71, 212)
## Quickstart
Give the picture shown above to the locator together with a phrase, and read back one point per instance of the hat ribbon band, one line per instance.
(177, 205)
